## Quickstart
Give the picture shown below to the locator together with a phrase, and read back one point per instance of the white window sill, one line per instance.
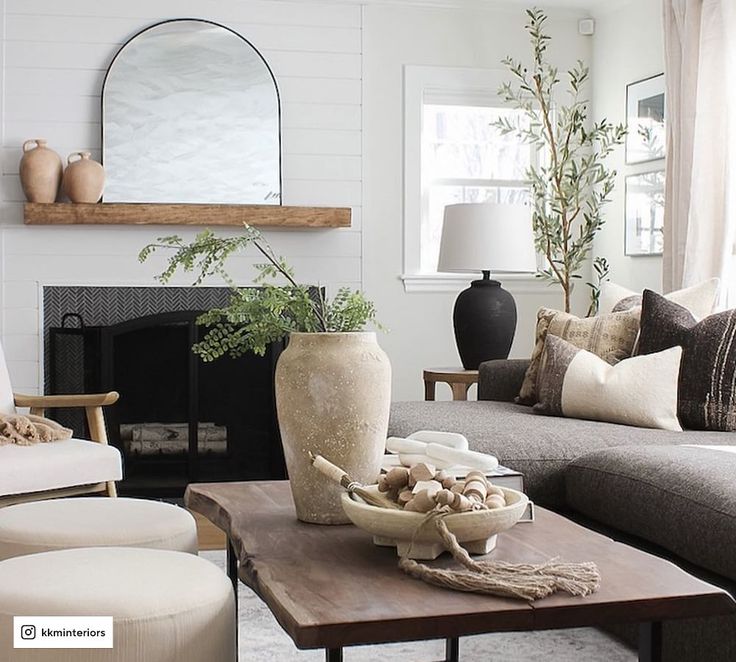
(514, 283)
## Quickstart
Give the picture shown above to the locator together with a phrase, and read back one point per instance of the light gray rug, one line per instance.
(263, 640)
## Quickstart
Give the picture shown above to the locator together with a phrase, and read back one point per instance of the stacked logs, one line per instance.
(422, 488)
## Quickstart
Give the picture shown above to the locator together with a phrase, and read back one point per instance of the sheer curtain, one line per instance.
(700, 209)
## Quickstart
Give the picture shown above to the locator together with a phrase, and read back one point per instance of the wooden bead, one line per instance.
(474, 474)
(476, 489)
(398, 477)
(405, 496)
(432, 487)
(383, 485)
(458, 487)
(495, 501)
(447, 480)
(454, 500)
(494, 489)
(421, 503)
(422, 471)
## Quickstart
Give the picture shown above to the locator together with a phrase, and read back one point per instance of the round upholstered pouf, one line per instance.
(43, 526)
(166, 606)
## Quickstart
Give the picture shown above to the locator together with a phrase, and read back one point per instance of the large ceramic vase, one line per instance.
(333, 393)
(40, 171)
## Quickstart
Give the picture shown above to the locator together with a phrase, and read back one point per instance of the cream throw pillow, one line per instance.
(640, 391)
(611, 337)
(699, 299)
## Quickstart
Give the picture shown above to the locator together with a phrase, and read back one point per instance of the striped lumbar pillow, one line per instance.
(641, 390)
(707, 384)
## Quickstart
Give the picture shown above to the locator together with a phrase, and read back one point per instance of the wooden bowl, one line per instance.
(476, 530)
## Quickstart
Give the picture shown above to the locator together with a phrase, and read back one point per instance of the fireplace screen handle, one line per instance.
(73, 316)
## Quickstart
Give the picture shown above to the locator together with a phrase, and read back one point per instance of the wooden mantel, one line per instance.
(114, 213)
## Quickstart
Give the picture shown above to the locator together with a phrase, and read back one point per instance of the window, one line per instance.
(464, 159)
(453, 154)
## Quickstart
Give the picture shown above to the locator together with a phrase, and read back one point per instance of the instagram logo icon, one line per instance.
(27, 631)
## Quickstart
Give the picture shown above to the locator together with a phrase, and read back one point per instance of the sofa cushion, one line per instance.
(641, 390)
(57, 464)
(538, 446)
(680, 498)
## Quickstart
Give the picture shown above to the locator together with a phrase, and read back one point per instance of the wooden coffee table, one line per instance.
(330, 587)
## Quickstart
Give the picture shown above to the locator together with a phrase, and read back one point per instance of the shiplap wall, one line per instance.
(54, 58)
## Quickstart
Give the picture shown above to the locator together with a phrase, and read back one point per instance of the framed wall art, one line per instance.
(645, 120)
(644, 213)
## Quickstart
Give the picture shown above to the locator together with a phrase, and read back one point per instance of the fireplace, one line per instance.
(178, 420)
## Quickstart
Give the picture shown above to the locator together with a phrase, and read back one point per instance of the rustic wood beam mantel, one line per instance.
(114, 213)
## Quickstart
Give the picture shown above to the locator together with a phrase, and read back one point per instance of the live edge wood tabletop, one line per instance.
(329, 586)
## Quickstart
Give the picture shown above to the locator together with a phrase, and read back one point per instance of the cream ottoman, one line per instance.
(43, 526)
(166, 606)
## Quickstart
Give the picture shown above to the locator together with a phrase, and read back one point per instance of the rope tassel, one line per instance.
(526, 581)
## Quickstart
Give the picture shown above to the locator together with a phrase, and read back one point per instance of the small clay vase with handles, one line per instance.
(40, 171)
(84, 179)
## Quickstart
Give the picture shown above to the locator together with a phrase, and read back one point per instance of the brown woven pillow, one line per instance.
(611, 337)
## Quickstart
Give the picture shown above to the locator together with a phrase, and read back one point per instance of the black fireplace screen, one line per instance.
(178, 419)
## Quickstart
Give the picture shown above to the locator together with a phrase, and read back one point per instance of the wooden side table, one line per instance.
(458, 379)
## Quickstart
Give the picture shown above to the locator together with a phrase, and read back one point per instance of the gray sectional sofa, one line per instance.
(655, 489)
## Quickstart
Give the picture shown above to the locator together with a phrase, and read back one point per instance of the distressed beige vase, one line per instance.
(333, 393)
(40, 171)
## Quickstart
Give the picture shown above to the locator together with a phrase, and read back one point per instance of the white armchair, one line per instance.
(59, 468)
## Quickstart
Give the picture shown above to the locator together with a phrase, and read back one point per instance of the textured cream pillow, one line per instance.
(641, 390)
(699, 299)
(611, 337)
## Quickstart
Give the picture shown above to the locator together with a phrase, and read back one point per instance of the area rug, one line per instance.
(263, 640)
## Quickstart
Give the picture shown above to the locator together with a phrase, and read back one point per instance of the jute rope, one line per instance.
(526, 581)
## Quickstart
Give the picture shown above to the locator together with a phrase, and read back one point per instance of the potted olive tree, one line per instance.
(333, 381)
(571, 184)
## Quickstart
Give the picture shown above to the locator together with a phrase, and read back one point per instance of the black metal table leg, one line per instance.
(333, 654)
(650, 642)
(452, 649)
(232, 573)
(232, 569)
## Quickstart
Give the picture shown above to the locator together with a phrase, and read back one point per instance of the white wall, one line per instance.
(628, 46)
(55, 56)
(339, 67)
(420, 324)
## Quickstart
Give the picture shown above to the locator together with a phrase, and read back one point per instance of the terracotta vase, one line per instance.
(84, 179)
(40, 171)
(333, 393)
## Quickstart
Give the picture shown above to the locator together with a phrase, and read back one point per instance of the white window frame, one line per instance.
(422, 85)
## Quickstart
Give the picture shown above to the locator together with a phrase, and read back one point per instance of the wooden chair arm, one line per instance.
(92, 403)
(81, 400)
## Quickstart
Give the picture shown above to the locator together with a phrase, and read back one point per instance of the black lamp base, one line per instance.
(485, 322)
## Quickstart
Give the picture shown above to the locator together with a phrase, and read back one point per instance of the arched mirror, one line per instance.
(190, 113)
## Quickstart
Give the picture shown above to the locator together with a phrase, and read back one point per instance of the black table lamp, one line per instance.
(486, 237)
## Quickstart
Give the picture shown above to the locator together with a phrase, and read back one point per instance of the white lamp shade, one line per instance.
(487, 237)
